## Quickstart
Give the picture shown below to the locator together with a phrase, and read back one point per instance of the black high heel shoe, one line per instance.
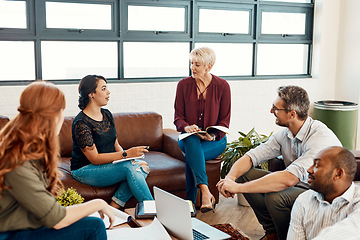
(208, 207)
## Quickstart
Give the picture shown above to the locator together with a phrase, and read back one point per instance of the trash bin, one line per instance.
(341, 118)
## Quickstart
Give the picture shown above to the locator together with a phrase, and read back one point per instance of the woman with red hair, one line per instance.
(29, 177)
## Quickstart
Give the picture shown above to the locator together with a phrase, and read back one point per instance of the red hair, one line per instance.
(32, 135)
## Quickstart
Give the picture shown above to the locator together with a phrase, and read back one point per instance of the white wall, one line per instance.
(348, 72)
(251, 100)
(348, 75)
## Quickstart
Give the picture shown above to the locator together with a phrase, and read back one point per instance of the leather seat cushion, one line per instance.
(165, 172)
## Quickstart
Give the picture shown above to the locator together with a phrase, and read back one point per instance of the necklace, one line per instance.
(201, 93)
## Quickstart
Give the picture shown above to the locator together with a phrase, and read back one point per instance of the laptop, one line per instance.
(173, 213)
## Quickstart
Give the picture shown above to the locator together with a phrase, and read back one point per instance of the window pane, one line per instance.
(143, 18)
(74, 60)
(293, 1)
(223, 21)
(279, 59)
(281, 23)
(231, 58)
(78, 15)
(156, 59)
(13, 14)
(16, 66)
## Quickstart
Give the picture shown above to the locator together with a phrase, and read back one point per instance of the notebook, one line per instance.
(173, 213)
(147, 209)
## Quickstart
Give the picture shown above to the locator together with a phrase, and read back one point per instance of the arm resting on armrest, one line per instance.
(170, 144)
(276, 164)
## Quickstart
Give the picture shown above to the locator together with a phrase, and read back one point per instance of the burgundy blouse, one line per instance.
(212, 111)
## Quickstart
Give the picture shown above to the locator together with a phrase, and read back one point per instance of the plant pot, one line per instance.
(241, 200)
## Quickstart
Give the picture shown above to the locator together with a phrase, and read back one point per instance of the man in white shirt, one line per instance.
(271, 195)
(331, 210)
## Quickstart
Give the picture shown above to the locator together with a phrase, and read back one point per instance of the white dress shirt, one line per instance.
(298, 151)
(314, 218)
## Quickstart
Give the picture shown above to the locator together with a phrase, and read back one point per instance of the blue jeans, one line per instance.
(197, 152)
(129, 174)
(89, 228)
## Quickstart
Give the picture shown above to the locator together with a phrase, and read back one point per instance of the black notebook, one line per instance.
(142, 213)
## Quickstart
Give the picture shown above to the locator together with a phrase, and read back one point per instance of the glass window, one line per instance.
(143, 18)
(122, 39)
(149, 59)
(13, 14)
(292, 1)
(283, 23)
(282, 59)
(74, 60)
(223, 21)
(78, 15)
(17, 60)
(232, 59)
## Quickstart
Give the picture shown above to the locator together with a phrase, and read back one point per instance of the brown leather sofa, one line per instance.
(165, 159)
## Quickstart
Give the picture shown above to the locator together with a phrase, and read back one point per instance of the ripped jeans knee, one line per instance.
(142, 165)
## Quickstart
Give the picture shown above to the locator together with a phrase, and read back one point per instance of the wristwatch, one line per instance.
(124, 154)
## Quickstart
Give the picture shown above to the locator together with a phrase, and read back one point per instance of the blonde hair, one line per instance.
(204, 55)
(31, 135)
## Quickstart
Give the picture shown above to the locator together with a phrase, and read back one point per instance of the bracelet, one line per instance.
(214, 137)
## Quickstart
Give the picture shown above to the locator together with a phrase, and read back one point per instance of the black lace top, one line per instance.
(87, 131)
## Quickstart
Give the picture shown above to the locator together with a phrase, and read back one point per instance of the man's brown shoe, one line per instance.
(269, 236)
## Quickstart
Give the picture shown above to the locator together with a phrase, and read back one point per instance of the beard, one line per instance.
(324, 186)
(281, 124)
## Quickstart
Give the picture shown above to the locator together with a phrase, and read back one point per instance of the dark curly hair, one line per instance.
(88, 85)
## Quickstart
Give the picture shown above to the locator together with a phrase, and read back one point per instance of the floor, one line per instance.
(229, 211)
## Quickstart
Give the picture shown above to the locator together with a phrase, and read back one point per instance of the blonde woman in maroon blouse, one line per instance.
(202, 100)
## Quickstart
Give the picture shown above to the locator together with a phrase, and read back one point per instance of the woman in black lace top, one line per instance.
(95, 147)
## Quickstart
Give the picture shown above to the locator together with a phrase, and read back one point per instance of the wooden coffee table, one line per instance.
(141, 222)
(138, 222)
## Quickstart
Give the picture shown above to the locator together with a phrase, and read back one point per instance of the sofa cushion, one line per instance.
(139, 129)
(165, 172)
(133, 129)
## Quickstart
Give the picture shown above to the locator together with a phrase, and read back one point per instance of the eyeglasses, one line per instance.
(278, 109)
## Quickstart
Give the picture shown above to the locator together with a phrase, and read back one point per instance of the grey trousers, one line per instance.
(271, 209)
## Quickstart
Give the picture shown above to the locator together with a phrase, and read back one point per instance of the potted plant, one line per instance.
(69, 197)
(237, 148)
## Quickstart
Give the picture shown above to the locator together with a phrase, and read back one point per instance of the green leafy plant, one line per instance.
(69, 197)
(239, 147)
